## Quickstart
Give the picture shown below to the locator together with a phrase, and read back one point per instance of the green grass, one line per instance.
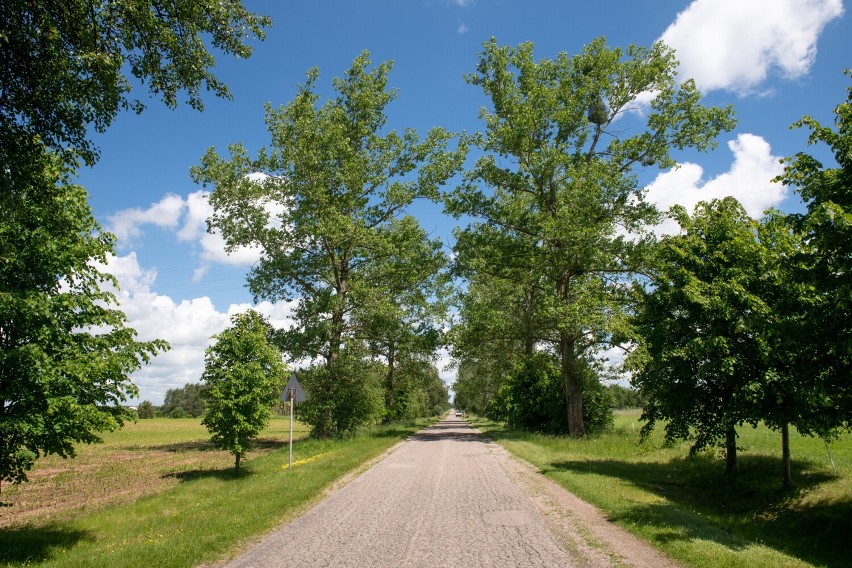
(690, 509)
(208, 515)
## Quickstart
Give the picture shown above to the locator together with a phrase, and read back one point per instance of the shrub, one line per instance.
(145, 409)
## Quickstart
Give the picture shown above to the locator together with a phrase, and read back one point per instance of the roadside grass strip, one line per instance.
(210, 515)
(690, 509)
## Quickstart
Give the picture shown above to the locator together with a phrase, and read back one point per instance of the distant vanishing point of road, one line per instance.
(446, 498)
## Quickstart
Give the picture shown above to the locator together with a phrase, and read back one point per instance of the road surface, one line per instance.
(446, 498)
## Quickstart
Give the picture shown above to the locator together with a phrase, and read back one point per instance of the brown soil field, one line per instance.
(143, 458)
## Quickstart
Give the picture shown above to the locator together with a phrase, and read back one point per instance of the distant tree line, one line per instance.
(181, 402)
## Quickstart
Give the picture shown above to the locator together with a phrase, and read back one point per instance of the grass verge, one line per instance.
(690, 509)
(208, 515)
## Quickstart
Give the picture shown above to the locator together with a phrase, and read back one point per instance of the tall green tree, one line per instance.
(65, 72)
(65, 353)
(337, 185)
(826, 231)
(701, 355)
(791, 394)
(557, 175)
(402, 308)
(244, 375)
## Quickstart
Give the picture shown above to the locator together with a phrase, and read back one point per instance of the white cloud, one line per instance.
(187, 325)
(749, 180)
(446, 367)
(165, 213)
(212, 245)
(735, 44)
(462, 29)
(188, 218)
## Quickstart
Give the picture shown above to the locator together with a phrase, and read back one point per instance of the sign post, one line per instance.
(292, 393)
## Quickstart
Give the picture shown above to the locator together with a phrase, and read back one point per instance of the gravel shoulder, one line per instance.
(447, 497)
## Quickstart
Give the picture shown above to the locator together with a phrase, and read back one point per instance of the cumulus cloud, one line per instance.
(212, 245)
(165, 213)
(187, 325)
(188, 218)
(735, 45)
(749, 180)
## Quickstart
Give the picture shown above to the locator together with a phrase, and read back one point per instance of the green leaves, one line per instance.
(555, 192)
(329, 220)
(244, 375)
(826, 262)
(65, 354)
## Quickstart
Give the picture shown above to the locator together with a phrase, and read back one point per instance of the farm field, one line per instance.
(690, 509)
(157, 494)
(143, 458)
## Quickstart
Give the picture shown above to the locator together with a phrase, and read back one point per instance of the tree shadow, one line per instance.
(734, 511)
(221, 474)
(176, 447)
(23, 545)
(207, 445)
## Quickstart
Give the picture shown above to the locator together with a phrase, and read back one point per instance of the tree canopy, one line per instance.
(66, 70)
(555, 192)
(243, 375)
(66, 65)
(700, 355)
(187, 398)
(826, 231)
(325, 206)
(65, 353)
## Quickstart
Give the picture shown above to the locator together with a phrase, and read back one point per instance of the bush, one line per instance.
(338, 407)
(145, 409)
(179, 412)
(597, 403)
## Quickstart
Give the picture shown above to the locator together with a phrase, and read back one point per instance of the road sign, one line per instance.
(292, 393)
(297, 393)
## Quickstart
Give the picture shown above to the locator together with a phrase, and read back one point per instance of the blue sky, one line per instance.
(774, 60)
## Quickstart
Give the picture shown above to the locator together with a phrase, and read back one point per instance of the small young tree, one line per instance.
(244, 375)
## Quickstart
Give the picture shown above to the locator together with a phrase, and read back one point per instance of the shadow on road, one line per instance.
(450, 429)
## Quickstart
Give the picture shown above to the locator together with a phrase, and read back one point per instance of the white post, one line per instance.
(292, 397)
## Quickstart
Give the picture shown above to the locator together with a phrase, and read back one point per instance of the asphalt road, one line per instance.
(446, 498)
(440, 499)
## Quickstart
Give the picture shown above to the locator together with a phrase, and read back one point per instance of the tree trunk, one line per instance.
(529, 340)
(786, 475)
(731, 450)
(389, 379)
(571, 382)
(237, 463)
